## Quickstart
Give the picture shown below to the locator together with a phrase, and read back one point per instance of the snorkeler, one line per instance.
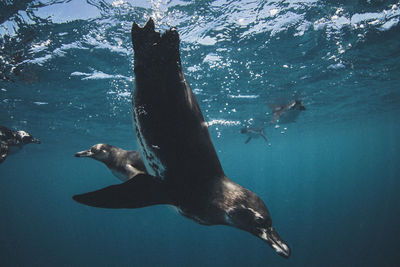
(253, 132)
(293, 105)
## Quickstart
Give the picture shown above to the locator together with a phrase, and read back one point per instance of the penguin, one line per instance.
(124, 164)
(13, 139)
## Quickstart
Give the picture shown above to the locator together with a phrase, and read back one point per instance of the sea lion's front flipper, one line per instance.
(3, 152)
(248, 140)
(141, 191)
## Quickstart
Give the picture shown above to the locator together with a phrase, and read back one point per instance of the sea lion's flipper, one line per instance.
(141, 191)
(248, 140)
(149, 45)
(3, 151)
(142, 38)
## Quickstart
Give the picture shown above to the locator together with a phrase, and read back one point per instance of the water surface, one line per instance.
(329, 179)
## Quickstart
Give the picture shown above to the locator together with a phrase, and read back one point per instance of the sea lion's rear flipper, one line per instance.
(141, 191)
(152, 50)
(3, 152)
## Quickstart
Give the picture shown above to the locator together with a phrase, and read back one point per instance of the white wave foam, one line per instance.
(68, 11)
(104, 45)
(362, 18)
(58, 52)
(223, 122)
(211, 59)
(244, 96)
(97, 75)
(124, 94)
(389, 24)
(278, 24)
(193, 68)
(337, 66)
(40, 46)
(207, 41)
(39, 61)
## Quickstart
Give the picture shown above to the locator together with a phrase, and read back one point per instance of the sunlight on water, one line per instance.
(328, 171)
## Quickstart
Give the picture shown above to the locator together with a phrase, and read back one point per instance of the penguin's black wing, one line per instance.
(3, 151)
(141, 191)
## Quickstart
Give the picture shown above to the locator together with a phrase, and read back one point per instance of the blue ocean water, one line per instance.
(329, 178)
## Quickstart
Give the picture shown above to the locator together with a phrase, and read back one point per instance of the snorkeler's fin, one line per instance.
(248, 140)
(3, 152)
(265, 138)
(141, 191)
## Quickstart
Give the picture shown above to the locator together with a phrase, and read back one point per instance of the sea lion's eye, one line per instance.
(259, 219)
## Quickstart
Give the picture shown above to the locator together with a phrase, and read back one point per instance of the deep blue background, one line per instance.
(332, 192)
(330, 180)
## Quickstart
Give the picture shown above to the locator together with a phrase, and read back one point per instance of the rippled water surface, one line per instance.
(329, 175)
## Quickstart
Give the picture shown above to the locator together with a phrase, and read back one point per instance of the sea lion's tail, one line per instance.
(151, 47)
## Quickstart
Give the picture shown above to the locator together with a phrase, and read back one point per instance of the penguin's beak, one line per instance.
(275, 241)
(36, 141)
(85, 153)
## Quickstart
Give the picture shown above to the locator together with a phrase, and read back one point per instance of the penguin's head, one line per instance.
(26, 138)
(99, 152)
(250, 214)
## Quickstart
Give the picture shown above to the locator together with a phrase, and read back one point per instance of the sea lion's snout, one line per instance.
(275, 241)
